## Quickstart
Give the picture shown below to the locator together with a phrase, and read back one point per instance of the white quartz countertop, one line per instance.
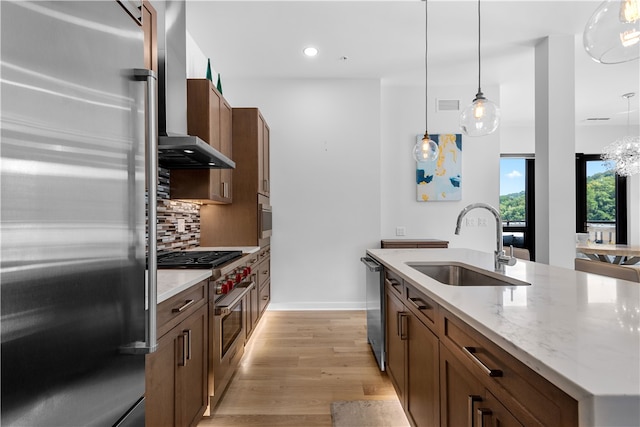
(580, 331)
(244, 249)
(172, 282)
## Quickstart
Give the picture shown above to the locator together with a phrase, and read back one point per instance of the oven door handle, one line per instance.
(224, 307)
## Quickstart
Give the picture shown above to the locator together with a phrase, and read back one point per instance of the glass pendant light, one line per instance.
(426, 150)
(624, 153)
(482, 116)
(612, 34)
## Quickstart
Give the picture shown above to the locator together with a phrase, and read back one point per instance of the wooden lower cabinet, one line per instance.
(395, 314)
(448, 374)
(422, 396)
(413, 243)
(264, 279)
(412, 363)
(176, 374)
(460, 391)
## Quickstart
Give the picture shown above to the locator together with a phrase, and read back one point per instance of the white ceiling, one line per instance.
(385, 40)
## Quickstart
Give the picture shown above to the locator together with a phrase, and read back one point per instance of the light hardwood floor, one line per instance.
(295, 365)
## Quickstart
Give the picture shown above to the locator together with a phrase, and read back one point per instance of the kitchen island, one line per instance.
(578, 331)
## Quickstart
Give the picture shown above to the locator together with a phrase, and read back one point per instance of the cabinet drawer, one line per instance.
(253, 260)
(394, 283)
(265, 253)
(531, 398)
(264, 272)
(264, 295)
(177, 308)
(422, 306)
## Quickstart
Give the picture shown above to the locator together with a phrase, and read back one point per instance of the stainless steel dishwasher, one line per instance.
(375, 308)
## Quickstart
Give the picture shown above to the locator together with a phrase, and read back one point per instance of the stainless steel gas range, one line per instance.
(232, 293)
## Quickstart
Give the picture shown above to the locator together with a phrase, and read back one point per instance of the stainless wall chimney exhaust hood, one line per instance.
(190, 152)
(177, 149)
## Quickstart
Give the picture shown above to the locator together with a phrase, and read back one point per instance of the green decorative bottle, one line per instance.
(219, 85)
(209, 76)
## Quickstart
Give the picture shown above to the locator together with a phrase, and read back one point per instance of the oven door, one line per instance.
(264, 220)
(228, 336)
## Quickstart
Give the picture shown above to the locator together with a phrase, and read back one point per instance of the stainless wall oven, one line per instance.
(264, 220)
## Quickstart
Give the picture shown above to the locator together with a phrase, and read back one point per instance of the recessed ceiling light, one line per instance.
(310, 51)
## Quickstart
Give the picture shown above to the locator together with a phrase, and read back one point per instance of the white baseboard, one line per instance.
(309, 306)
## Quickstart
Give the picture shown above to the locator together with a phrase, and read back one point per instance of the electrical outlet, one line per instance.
(470, 222)
(401, 231)
(180, 225)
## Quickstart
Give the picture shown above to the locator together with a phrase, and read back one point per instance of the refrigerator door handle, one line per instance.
(151, 169)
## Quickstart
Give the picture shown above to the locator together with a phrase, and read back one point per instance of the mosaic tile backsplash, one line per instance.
(169, 211)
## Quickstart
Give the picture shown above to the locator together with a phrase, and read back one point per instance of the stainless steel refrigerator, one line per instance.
(76, 319)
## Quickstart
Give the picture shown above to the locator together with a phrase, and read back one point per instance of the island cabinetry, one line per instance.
(412, 355)
(447, 373)
(460, 391)
(209, 117)
(512, 394)
(176, 374)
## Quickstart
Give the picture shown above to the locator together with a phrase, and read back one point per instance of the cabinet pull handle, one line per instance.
(183, 307)
(266, 297)
(402, 325)
(188, 332)
(183, 361)
(483, 414)
(472, 410)
(422, 306)
(394, 285)
(491, 372)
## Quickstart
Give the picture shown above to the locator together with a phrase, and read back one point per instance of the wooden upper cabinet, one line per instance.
(265, 159)
(253, 118)
(210, 118)
(150, 30)
(413, 243)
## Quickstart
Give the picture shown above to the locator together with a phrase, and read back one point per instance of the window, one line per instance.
(517, 202)
(601, 201)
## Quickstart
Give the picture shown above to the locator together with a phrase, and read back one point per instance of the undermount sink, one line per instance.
(459, 274)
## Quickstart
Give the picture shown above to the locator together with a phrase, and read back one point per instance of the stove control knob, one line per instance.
(238, 277)
(248, 270)
(219, 288)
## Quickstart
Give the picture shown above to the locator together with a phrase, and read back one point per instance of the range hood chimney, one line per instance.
(177, 149)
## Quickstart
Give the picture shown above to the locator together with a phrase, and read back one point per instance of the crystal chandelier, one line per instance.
(623, 154)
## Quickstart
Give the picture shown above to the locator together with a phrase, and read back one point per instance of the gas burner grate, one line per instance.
(196, 259)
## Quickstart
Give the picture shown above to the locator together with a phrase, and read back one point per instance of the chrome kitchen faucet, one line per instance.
(500, 259)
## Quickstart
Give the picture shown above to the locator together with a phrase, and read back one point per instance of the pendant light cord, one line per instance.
(479, 90)
(426, 68)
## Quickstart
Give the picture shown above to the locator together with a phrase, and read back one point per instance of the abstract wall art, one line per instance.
(441, 180)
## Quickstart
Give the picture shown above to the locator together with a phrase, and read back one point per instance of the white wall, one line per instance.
(402, 120)
(325, 175)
